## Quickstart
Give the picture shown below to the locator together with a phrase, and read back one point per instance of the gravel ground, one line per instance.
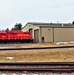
(33, 45)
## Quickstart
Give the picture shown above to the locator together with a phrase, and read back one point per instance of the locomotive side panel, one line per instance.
(3, 37)
(15, 36)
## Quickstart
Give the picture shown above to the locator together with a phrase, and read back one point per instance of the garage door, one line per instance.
(36, 35)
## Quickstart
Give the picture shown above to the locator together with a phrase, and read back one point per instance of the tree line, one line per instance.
(17, 26)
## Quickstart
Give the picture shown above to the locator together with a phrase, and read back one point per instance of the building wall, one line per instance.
(27, 27)
(47, 33)
(30, 26)
(56, 34)
(51, 34)
(63, 34)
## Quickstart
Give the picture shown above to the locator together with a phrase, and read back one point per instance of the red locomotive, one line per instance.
(15, 36)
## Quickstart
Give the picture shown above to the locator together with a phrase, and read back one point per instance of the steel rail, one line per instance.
(37, 48)
(37, 66)
(37, 63)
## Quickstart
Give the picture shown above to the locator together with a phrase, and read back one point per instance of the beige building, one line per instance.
(50, 32)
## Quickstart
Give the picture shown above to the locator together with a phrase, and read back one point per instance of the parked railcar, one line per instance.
(15, 36)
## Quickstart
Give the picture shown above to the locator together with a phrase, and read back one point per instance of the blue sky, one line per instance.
(23, 11)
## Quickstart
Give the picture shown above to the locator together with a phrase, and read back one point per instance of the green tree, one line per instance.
(7, 29)
(12, 29)
(17, 26)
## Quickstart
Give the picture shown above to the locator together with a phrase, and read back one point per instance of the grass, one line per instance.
(38, 56)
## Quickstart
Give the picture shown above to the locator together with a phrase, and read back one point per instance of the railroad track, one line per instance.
(38, 66)
(36, 48)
